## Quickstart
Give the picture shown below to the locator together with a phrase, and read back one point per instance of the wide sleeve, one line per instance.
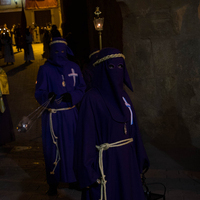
(79, 90)
(41, 88)
(86, 155)
(142, 158)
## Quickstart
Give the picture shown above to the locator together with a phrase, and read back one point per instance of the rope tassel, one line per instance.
(102, 148)
(54, 137)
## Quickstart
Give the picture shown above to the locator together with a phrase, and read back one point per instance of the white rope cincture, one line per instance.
(102, 148)
(53, 136)
(129, 107)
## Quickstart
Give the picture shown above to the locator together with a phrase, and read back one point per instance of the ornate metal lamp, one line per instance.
(98, 25)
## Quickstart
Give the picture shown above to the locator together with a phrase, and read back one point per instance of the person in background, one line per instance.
(13, 34)
(109, 152)
(8, 49)
(46, 42)
(55, 32)
(28, 50)
(36, 34)
(59, 81)
(5, 28)
(6, 125)
(18, 37)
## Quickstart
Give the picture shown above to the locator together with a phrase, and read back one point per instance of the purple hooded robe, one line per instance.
(59, 75)
(107, 116)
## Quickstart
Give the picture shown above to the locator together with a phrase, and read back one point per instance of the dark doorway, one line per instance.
(10, 18)
(78, 25)
(42, 17)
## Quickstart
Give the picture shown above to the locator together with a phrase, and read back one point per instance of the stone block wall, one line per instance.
(161, 42)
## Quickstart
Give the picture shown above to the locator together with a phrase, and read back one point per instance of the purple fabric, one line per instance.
(28, 52)
(109, 82)
(96, 126)
(50, 78)
(58, 52)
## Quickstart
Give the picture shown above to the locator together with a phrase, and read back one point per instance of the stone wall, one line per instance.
(161, 41)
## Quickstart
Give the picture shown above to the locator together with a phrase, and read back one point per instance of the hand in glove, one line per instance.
(52, 95)
(66, 97)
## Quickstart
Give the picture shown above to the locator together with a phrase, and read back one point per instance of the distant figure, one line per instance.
(5, 28)
(36, 34)
(6, 125)
(18, 37)
(60, 81)
(48, 37)
(49, 27)
(55, 32)
(109, 152)
(28, 51)
(42, 30)
(13, 34)
(46, 41)
(8, 50)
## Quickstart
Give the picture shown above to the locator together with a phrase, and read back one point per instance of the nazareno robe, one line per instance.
(122, 165)
(8, 50)
(50, 79)
(28, 52)
(104, 119)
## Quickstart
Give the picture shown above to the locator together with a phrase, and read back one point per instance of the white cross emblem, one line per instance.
(73, 74)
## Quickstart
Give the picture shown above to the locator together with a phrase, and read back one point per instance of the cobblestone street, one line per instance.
(22, 169)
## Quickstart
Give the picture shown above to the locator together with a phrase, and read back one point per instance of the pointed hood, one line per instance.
(59, 51)
(110, 75)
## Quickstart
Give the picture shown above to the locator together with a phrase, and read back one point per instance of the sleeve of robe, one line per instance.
(86, 154)
(142, 158)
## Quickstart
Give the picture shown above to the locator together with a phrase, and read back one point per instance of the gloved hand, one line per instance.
(66, 97)
(52, 95)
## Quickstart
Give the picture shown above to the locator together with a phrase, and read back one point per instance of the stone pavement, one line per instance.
(22, 170)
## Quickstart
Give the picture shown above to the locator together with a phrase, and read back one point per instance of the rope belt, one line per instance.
(54, 137)
(102, 148)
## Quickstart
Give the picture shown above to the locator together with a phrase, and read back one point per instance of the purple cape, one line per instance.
(104, 119)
